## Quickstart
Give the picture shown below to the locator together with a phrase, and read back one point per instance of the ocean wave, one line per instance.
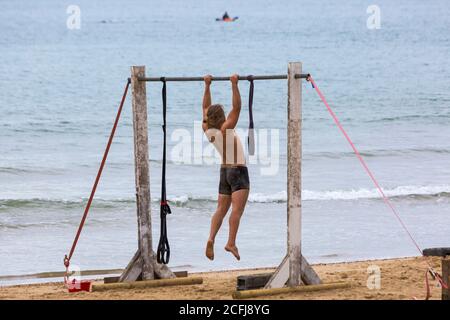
(184, 200)
(375, 153)
(30, 170)
(45, 224)
(412, 192)
(58, 203)
(401, 192)
(16, 171)
(409, 117)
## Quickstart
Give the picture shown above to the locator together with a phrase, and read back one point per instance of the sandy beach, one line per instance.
(115, 151)
(401, 279)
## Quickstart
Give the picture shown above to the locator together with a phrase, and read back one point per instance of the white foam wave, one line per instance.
(400, 191)
(350, 194)
(437, 191)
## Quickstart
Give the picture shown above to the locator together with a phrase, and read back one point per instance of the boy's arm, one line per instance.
(206, 100)
(233, 116)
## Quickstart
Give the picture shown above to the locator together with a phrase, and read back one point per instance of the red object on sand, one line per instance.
(77, 286)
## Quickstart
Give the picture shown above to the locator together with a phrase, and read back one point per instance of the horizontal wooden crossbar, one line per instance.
(436, 252)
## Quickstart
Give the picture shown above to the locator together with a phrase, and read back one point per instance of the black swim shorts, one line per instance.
(233, 179)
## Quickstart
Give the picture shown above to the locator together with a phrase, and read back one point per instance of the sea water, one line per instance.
(60, 87)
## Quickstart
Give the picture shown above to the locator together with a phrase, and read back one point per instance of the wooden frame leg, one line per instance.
(133, 272)
(446, 278)
(281, 275)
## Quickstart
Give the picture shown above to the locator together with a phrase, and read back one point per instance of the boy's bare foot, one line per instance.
(234, 251)
(210, 250)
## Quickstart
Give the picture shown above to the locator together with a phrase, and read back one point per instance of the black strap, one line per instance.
(163, 252)
(251, 131)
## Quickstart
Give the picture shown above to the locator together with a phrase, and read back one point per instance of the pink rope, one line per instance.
(377, 185)
(363, 163)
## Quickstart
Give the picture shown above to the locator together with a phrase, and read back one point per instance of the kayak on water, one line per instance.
(227, 19)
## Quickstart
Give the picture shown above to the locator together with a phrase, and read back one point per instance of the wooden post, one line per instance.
(143, 265)
(294, 269)
(294, 178)
(446, 278)
(142, 177)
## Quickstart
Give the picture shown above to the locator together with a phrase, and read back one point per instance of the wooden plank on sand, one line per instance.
(299, 289)
(147, 284)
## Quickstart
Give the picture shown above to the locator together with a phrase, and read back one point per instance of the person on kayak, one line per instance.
(225, 16)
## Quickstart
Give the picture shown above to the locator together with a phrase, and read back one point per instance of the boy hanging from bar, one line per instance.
(234, 182)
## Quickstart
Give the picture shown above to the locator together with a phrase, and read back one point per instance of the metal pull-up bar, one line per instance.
(249, 77)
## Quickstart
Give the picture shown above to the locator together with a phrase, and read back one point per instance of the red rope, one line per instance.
(97, 179)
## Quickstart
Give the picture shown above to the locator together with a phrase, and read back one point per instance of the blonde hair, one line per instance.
(215, 116)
